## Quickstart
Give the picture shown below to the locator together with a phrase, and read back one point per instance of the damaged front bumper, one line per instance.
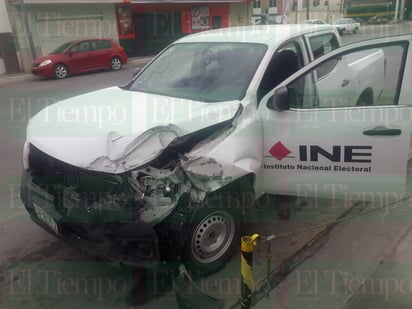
(109, 233)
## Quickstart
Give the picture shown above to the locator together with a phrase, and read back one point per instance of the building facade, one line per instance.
(9, 62)
(141, 27)
(326, 10)
(294, 11)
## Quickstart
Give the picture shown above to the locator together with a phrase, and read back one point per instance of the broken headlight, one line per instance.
(148, 148)
(163, 187)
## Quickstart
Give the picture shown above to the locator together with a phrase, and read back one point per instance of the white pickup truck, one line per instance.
(346, 25)
(167, 167)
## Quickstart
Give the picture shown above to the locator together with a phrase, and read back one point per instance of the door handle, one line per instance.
(382, 131)
(345, 82)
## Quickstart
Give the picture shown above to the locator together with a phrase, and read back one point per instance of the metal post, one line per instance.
(402, 10)
(246, 269)
(395, 18)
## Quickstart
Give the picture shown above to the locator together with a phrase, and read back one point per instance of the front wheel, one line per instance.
(213, 235)
(116, 64)
(60, 71)
(355, 30)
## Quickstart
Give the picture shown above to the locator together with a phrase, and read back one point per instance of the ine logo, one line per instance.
(336, 153)
(279, 151)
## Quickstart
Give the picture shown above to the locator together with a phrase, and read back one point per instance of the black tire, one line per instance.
(355, 30)
(60, 71)
(213, 235)
(365, 99)
(116, 64)
(341, 32)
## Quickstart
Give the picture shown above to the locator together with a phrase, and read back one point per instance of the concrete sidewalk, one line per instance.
(364, 263)
(16, 77)
(340, 274)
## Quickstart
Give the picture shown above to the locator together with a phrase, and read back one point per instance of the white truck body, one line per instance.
(190, 140)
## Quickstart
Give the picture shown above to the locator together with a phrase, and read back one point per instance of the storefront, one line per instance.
(146, 28)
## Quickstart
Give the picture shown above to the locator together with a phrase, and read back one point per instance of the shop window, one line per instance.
(316, 2)
(124, 18)
(272, 3)
(200, 18)
(256, 4)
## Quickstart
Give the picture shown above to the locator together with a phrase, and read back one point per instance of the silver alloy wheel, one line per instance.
(60, 71)
(212, 237)
(116, 64)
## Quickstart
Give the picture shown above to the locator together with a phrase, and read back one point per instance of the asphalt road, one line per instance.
(38, 270)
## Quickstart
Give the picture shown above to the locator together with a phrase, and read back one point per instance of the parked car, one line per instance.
(356, 22)
(346, 25)
(80, 56)
(380, 19)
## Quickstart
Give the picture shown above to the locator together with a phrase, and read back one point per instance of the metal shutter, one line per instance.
(54, 32)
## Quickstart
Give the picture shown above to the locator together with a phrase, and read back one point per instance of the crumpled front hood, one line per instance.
(115, 130)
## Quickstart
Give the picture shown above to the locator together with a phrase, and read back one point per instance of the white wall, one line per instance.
(2, 67)
(4, 18)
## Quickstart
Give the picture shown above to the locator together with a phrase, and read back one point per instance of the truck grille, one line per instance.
(48, 170)
(43, 165)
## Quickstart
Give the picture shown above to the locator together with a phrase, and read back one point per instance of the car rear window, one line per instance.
(101, 44)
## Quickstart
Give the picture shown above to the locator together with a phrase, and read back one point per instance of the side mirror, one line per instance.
(70, 53)
(136, 71)
(280, 100)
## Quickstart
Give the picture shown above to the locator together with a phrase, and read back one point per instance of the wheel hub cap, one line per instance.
(212, 237)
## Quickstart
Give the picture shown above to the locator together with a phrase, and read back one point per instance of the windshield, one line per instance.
(61, 48)
(206, 72)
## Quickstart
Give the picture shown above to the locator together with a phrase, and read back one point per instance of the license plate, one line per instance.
(44, 217)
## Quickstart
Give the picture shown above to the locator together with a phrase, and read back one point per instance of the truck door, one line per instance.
(345, 151)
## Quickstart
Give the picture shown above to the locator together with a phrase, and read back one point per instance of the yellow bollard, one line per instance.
(246, 269)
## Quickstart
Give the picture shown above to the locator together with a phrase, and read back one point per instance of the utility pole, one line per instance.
(307, 9)
(402, 10)
(395, 18)
(295, 3)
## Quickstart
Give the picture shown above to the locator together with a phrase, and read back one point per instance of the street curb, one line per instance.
(10, 78)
